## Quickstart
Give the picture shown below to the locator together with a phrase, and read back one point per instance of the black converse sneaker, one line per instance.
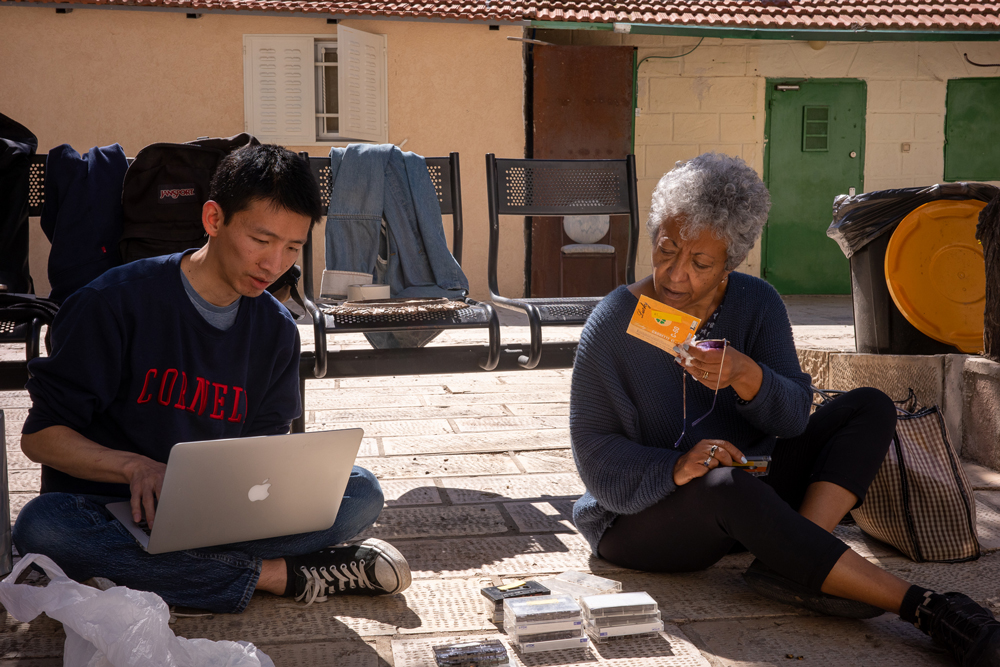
(765, 581)
(965, 628)
(372, 567)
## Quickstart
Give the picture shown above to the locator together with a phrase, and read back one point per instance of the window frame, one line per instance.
(320, 48)
(251, 106)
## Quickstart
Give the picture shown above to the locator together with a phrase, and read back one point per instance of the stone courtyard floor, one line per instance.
(479, 485)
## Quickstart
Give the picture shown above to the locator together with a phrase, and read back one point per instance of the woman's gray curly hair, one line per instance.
(714, 192)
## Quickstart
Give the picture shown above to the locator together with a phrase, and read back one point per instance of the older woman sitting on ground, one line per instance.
(664, 499)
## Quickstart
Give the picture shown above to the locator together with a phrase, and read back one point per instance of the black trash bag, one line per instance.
(988, 234)
(859, 220)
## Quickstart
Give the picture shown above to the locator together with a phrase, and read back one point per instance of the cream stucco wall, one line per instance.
(99, 76)
(714, 100)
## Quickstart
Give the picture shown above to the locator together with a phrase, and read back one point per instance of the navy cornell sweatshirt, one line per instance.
(136, 368)
(626, 402)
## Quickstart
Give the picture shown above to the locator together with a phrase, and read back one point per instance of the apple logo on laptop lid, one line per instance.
(258, 491)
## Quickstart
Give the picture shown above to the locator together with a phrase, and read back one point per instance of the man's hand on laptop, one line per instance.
(145, 481)
(68, 451)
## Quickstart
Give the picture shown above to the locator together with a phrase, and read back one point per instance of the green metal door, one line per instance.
(814, 150)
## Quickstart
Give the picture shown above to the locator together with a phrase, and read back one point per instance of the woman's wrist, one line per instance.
(748, 380)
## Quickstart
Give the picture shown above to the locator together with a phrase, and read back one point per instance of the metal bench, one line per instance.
(525, 187)
(445, 175)
(361, 362)
(16, 323)
(446, 178)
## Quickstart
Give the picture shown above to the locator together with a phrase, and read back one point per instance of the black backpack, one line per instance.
(163, 194)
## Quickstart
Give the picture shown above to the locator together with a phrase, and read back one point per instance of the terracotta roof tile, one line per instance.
(787, 14)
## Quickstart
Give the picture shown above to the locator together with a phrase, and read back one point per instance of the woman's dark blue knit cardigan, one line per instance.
(625, 402)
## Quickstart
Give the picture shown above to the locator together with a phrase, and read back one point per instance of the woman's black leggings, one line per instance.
(699, 523)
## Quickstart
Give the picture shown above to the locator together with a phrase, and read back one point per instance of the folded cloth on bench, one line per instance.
(82, 215)
(372, 182)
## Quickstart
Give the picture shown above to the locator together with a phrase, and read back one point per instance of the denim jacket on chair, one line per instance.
(372, 182)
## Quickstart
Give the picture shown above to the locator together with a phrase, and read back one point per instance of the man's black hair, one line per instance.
(267, 173)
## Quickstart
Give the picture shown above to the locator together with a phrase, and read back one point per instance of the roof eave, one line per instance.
(801, 34)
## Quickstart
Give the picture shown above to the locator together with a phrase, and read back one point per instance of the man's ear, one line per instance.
(212, 217)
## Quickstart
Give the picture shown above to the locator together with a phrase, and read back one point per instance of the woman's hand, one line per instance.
(736, 369)
(705, 456)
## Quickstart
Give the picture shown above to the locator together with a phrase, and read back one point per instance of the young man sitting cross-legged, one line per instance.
(182, 348)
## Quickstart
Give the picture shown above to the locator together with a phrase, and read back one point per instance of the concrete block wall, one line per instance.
(714, 99)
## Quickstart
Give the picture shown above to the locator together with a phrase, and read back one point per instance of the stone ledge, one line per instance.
(981, 411)
(936, 379)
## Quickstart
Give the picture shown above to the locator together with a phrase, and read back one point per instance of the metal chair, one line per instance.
(445, 176)
(525, 187)
(22, 315)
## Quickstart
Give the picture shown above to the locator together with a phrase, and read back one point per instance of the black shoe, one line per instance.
(372, 567)
(770, 584)
(968, 630)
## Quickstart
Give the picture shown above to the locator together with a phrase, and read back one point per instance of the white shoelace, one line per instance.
(322, 581)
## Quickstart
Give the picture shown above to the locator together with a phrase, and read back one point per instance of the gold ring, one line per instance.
(705, 376)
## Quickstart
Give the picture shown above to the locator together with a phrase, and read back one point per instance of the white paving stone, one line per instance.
(829, 642)
(470, 425)
(375, 412)
(417, 380)
(483, 489)
(981, 477)
(504, 555)
(441, 521)
(988, 519)
(16, 460)
(538, 409)
(391, 467)
(400, 492)
(502, 441)
(342, 399)
(390, 428)
(541, 517)
(25, 480)
(554, 460)
(498, 397)
(340, 653)
(329, 387)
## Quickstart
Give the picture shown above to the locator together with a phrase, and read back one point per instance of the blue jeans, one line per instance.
(85, 540)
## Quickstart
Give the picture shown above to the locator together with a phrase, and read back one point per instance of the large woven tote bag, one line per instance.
(921, 501)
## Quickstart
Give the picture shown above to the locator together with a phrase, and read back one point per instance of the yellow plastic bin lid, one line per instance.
(936, 274)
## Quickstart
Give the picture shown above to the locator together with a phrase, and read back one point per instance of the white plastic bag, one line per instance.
(118, 627)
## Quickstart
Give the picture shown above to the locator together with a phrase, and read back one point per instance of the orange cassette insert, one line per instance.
(660, 325)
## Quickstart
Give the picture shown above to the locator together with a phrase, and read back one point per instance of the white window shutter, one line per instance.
(279, 88)
(362, 64)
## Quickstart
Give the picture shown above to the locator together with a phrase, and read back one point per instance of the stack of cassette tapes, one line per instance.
(485, 653)
(580, 585)
(495, 595)
(620, 615)
(544, 623)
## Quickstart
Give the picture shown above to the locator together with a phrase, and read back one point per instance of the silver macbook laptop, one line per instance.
(224, 491)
